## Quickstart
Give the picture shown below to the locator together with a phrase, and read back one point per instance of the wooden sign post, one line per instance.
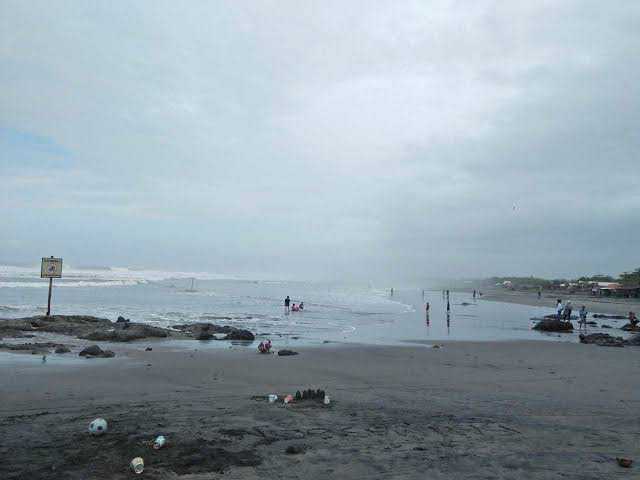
(51, 268)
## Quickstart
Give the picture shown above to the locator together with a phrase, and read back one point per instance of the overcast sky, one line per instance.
(330, 139)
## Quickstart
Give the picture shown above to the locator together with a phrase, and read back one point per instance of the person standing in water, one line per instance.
(559, 308)
(287, 302)
(392, 291)
(474, 294)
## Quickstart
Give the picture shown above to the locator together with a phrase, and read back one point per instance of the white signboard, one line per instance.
(51, 267)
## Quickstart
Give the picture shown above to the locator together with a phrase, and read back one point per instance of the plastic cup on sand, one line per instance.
(273, 398)
(159, 442)
(137, 465)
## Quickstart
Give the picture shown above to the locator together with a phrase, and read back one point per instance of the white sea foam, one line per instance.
(29, 277)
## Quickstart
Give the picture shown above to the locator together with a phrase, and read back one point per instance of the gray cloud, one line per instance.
(359, 140)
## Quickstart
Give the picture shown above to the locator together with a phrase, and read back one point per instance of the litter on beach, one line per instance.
(137, 465)
(159, 442)
(98, 427)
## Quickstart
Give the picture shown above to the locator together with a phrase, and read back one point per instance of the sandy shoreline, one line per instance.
(465, 410)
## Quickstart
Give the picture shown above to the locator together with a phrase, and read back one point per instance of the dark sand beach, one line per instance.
(606, 305)
(487, 410)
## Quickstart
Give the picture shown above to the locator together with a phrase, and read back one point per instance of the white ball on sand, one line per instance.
(98, 426)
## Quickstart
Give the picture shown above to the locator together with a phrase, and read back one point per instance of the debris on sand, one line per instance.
(95, 351)
(624, 462)
(553, 325)
(602, 339)
(137, 465)
(296, 449)
(159, 442)
(98, 427)
(286, 353)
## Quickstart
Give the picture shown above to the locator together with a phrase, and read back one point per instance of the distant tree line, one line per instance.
(627, 278)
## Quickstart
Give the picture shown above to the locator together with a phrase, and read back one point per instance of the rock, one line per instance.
(601, 315)
(630, 328)
(35, 348)
(125, 332)
(121, 320)
(207, 331)
(202, 332)
(633, 340)
(286, 353)
(295, 449)
(553, 325)
(96, 351)
(148, 349)
(605, 326)
(239, 334)
(603, 340)
(62, 349)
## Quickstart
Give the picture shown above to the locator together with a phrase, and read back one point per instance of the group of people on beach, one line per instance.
(289, 307)
(563, 312)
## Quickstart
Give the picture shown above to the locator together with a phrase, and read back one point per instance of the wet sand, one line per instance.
(507, 410)
(606, 305)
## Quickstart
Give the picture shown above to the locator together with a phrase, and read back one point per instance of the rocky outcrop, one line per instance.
(83, 326)
(633, 340)
(553, 325)
(125, 332)
(94, 351)
(36, 347)
(210, 331)
(602, 315)
(603, 340)
(630, 328)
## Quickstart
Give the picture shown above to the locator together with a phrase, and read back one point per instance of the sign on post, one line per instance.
(51, 268)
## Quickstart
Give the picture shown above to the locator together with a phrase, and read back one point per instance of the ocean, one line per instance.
(345, 313)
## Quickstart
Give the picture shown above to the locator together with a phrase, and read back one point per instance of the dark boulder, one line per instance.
(603, 340)
(207, 331)
(286, 353)
(203, 332)
(633, 340)
(602, 315)
(121, 320)
(62, 349)
(630, 328)
(96, 351)
(240, 334)
(553, 325)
